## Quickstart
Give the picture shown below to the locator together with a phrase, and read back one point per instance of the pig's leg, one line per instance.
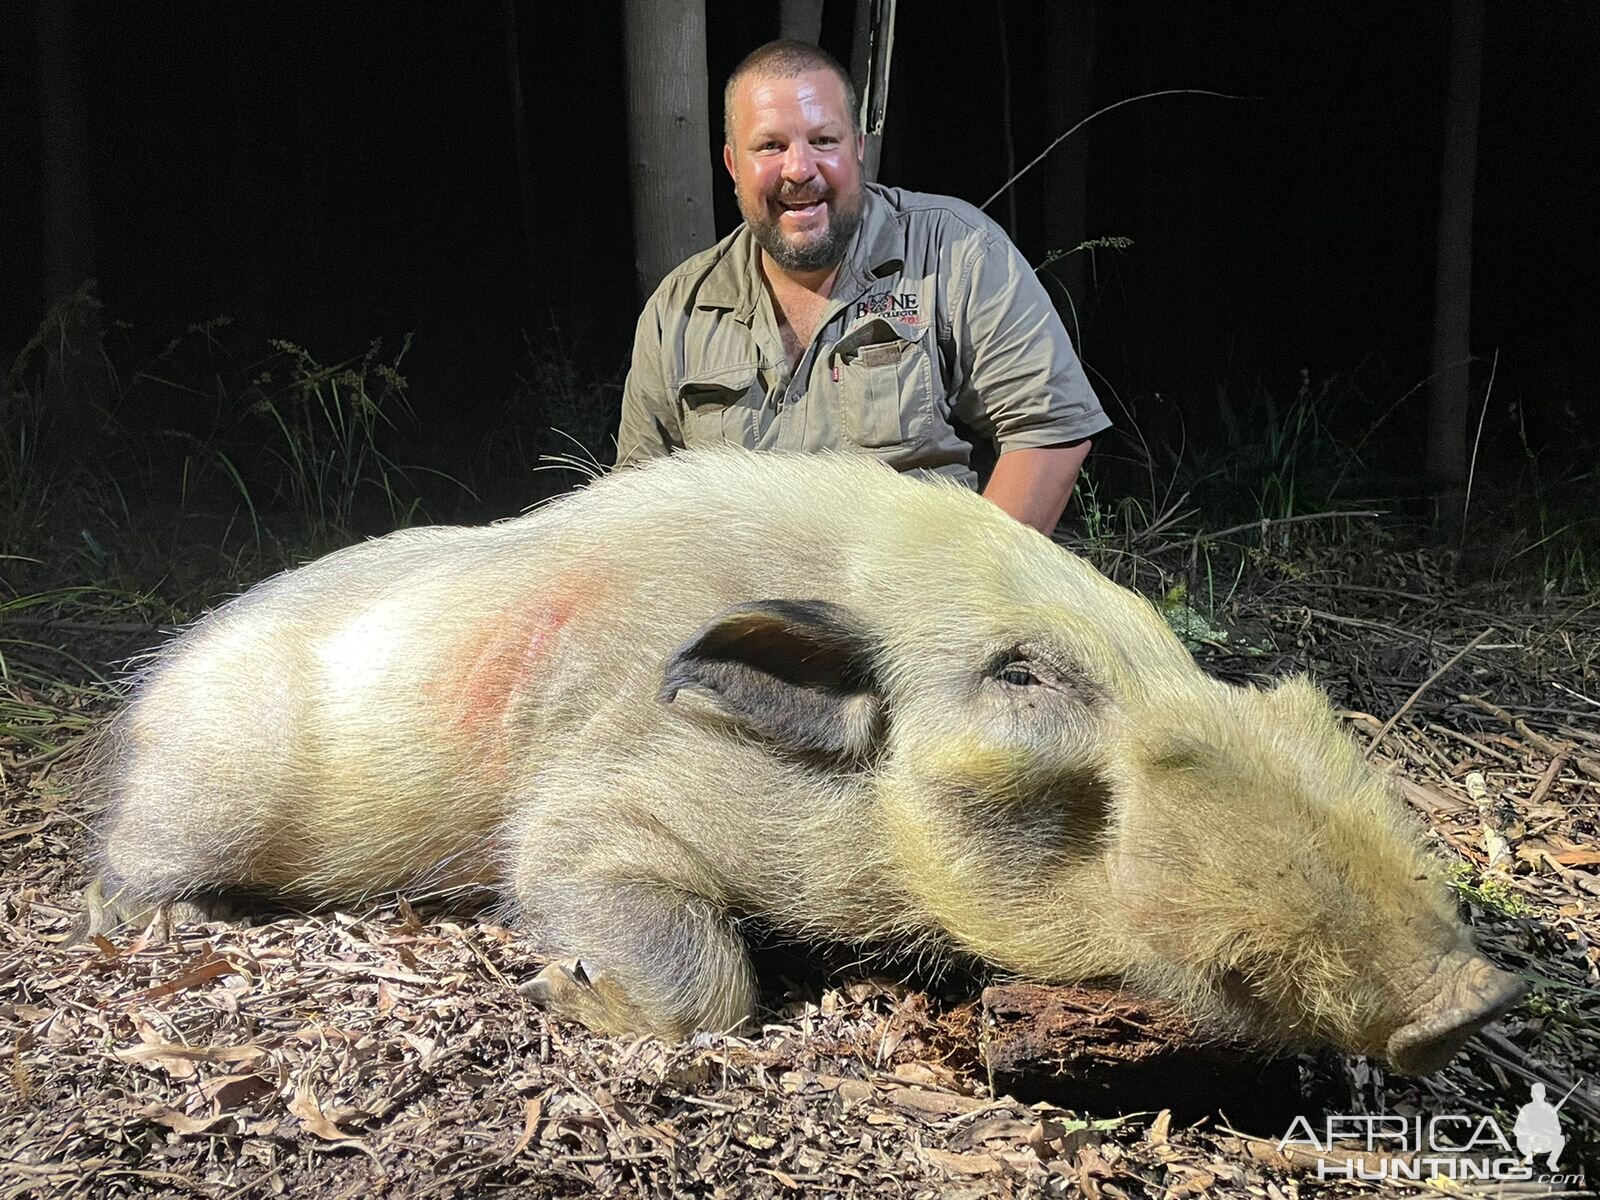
(663, 964)
(135, 887)
(193, 776)
(166, 855)
(649, 951)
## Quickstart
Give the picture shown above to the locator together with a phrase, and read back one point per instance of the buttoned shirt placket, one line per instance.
(794, 391)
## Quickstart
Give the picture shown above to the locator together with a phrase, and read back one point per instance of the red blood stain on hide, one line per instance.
(506, 660)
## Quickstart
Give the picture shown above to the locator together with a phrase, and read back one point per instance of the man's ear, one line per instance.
(861, 148)
(797, 673)
(727, 161)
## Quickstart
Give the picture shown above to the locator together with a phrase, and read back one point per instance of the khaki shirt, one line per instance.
(934, 315)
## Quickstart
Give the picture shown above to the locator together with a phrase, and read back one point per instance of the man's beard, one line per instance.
(814, 253)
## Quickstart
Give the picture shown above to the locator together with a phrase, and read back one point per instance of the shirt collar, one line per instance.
(734, 281)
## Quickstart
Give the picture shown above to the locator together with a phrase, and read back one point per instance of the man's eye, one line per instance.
(826, 141)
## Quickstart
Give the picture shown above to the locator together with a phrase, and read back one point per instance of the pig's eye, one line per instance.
(1017, 675)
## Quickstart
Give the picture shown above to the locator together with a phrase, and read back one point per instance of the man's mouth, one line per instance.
(802, 210)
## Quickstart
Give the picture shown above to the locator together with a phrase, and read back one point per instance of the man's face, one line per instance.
(796, 166)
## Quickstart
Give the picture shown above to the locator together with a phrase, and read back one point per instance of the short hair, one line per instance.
(784, 59)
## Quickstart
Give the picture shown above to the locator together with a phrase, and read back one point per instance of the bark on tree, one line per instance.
(871, 52)
(800, 20)
(1452, 294)
(68, 217)
(76, 381)
(1103, 1050)
(1069, 32)
(669, 140)
(519, 136)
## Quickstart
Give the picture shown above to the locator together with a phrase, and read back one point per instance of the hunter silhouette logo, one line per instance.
(1538, 1127)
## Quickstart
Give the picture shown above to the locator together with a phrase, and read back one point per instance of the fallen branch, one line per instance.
(1105, 1050)
(1423, 687)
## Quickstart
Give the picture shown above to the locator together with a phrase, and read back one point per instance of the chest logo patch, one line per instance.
(891, 306)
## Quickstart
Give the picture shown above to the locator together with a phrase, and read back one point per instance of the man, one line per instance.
(849, 316)
(1538, 1128)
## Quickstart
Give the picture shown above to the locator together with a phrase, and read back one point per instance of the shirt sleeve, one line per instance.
(1023, 385)
(649, 426)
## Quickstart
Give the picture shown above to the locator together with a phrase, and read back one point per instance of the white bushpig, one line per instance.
(860, 707)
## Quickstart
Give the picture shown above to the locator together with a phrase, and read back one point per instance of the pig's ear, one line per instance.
(794, 672)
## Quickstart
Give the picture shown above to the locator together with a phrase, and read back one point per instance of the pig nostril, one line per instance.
(1425, 1046)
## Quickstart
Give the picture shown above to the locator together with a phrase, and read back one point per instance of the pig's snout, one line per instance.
(1471, 993)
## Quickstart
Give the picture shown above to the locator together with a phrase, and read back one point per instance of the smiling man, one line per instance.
(843, 315)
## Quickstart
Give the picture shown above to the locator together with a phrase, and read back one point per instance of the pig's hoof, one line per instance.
(107, 913)
(576, 990)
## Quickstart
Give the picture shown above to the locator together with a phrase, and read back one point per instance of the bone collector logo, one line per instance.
(893, 306)
(1454, 1147)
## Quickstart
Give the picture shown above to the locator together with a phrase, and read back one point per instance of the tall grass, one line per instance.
(1553, 533)
(1230, 508)
(328, 426)
(204, 466)
(1275, 459)
(48, 696)
(51, 417)
(557, 426)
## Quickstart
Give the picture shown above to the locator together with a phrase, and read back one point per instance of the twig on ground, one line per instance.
(1423, 687)
(1557, 764)
(1588, 766)
(1263, 524)
(1455, 735)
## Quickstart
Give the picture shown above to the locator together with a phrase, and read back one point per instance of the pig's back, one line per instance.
(385, 704)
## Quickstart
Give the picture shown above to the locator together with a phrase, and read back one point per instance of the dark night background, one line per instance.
(335, 173)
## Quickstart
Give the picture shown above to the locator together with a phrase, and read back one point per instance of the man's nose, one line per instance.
(798, 162)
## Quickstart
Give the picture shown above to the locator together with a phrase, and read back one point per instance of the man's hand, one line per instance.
(1034, 485)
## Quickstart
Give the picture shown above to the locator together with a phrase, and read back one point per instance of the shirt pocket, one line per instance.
(885, 384)
(718, 407)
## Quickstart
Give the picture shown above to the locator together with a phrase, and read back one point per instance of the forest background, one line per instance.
(294, 210)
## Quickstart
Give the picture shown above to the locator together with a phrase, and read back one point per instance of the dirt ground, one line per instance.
(388, 1053)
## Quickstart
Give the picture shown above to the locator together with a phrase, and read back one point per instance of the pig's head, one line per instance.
(1086, 801)
(1068, 796)
(1268, 876)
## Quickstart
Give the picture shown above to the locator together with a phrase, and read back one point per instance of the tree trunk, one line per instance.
(75, 382)
(871, 52)
(519, 136)
(68, 216)
(669, 139)
(1452, 293)
(800, 20)
(1069, 31)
